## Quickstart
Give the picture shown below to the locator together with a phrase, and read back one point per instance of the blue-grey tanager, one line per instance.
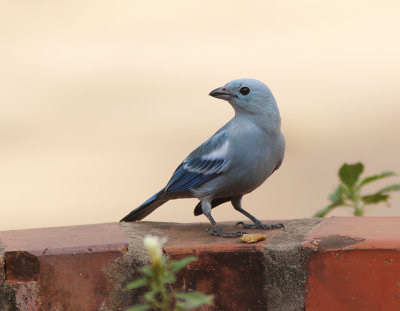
(237, 159)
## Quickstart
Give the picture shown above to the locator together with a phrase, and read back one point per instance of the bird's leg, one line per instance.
(237, 204)
(216, 230)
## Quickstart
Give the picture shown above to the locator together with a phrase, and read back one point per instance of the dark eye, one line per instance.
(244, 90)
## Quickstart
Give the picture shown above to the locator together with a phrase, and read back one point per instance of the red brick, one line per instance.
(64, 240)
(356, 265)
(61, 266)
(21, 266)
(74, 281)
(232, 271)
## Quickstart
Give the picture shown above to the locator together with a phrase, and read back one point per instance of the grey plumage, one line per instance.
(237, 159)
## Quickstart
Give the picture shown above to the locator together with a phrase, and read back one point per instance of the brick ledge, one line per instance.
(335, 263)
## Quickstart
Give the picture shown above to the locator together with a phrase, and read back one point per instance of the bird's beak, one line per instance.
(221, 93)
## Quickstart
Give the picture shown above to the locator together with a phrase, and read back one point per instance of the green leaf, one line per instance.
(168, 277)
(349, 173)
(136, 284)
(148, 271)
(337, 196)
(192, 300)
(177, 265)
(376, 177)
(394, 187)
(381, 195)
(139, 308)
(326, 210)
(149, 296)
(375, 198)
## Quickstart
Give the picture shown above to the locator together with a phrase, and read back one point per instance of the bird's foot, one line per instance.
(260, 225)
(219, 232)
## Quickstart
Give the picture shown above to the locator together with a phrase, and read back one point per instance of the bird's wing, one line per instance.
(204, 163)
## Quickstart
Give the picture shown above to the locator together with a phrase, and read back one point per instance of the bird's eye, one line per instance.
(244, 90)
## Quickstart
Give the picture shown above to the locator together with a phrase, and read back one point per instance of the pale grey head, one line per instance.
(251, 97)
(247, 95)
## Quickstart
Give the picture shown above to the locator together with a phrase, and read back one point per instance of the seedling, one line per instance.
(348, 193)
(158, 277)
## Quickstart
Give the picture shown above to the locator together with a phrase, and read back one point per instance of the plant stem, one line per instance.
(358, 211)
(354, 196)
(166, 301)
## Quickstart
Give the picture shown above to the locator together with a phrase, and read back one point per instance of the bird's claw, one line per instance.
(260, 225)
(219, 232)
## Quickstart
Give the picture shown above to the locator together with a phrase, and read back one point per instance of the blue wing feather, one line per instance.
(197, 168)
(192, 173)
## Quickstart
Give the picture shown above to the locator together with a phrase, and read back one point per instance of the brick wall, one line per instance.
(316, 264)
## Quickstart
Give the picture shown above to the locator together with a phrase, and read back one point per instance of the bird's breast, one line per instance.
(254, 160)
(253, 156)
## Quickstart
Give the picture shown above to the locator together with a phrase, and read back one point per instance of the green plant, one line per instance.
(348, 193)
(158, 277)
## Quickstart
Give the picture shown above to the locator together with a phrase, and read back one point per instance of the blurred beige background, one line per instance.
(101, 100)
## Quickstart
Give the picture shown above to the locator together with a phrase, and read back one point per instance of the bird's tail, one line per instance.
(146, 208)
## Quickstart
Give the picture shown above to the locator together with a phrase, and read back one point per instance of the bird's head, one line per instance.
(248, 96)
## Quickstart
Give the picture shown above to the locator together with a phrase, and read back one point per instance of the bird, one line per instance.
(233, 162)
